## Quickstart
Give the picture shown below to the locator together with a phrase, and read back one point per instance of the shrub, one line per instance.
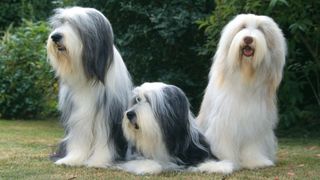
(27, 87)
(13, 11)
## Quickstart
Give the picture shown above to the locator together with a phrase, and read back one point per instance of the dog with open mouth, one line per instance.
(162, 129)
(238, 113)
(94, 87)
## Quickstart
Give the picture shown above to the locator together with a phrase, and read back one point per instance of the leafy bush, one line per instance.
(26, 84)
(299, 94)
(13, 11)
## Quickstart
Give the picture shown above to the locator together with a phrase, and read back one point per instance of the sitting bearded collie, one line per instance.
(239, 112)
(95, 87)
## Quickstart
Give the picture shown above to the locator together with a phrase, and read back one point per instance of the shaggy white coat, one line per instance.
(239, 113)
(87, 103)
(148, 139)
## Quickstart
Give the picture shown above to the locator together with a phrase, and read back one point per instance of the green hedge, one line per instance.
(13, 11)
(27, 87)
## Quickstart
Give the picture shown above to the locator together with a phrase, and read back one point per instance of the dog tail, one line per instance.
(212, 166)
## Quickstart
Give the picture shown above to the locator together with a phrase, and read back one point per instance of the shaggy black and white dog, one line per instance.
(94, 87)
(239, 112)
(161, 127)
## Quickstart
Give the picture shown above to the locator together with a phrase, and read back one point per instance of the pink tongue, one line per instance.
(247, 52)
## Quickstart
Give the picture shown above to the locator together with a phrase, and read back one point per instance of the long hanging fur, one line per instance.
(161, 126)
(239, 113)
(95, 87)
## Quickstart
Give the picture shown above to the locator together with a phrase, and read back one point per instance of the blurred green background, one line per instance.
(161, 40)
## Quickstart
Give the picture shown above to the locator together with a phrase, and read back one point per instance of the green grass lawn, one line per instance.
(26, 145)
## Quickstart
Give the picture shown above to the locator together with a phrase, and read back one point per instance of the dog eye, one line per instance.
(138, 99)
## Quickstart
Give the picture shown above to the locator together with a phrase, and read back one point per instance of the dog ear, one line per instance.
(277, 46)
(172, 113)
(97, 40)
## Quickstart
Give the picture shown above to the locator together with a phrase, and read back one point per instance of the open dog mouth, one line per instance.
(136, 126)
(60, 46)
(247, 51)
(134, 123)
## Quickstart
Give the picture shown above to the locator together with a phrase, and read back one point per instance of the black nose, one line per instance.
(248, 40)
(131, 115)
(56, 37)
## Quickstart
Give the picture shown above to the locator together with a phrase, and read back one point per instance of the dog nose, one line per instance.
(56, 37)
(131, 115)
(248, 40)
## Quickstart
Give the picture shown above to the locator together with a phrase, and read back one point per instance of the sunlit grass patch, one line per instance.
(25, 147)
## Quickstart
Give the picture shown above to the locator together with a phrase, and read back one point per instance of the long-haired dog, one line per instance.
(161, 127)
(239, 113)
(95, 87)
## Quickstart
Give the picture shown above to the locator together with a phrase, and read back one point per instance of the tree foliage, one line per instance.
(13, 11)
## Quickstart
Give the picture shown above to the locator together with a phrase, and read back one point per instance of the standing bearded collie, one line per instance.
(160, 125)
(239, 112)
(94, 87)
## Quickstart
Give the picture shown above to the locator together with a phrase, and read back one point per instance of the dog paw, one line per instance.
(257, 163)
(70, 161)
(98, 163)
(141, 167)
(224, 167)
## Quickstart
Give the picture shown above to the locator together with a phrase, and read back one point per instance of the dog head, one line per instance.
(252, 45)
(158, 118)
(81, 43)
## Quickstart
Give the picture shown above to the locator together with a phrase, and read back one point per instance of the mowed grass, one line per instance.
(26, 145)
